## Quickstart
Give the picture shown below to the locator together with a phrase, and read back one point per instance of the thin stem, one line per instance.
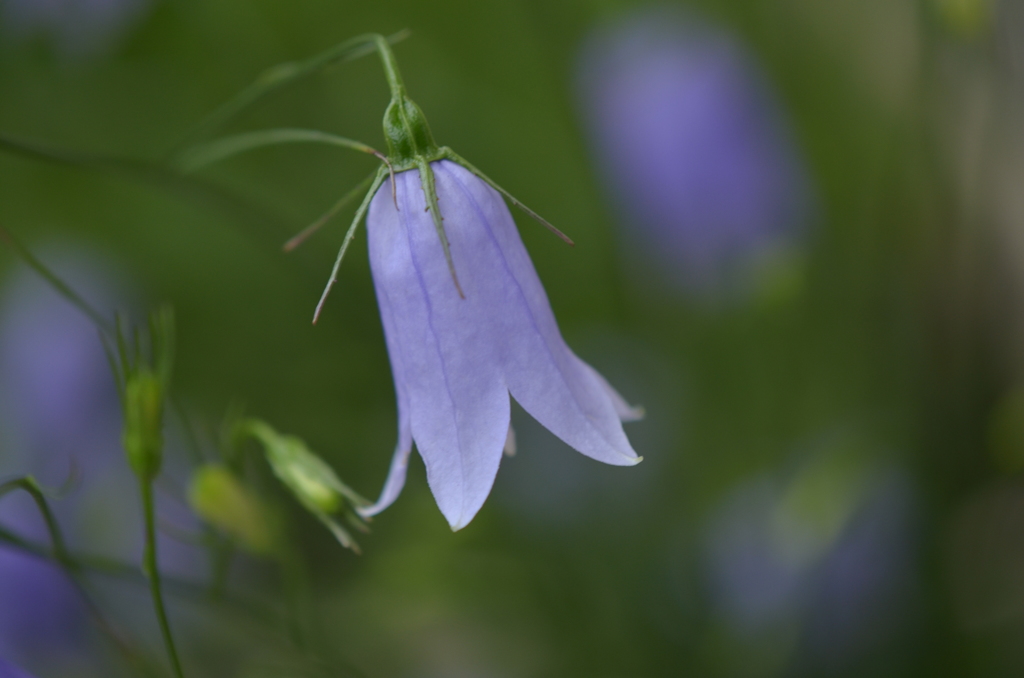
(123, 571)
(283, 74)
(454, 157)
(59, 285)
(58, 553)
(391, 73)
(196, 157)
(141, 171)
(296, 586)
(304, 234)
(152, 571)
(377, 181)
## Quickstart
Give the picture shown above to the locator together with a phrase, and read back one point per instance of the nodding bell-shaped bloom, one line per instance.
(466, 319)
(456, 359)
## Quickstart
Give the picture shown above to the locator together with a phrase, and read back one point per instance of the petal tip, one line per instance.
(635, 413)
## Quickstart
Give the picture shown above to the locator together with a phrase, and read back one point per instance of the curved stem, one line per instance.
(377, 181)
(196, 157)
(62, 288)
(454, 157)
(152, 570)
(130, 573)
(302, 235)
(391, 73)
(59, 554)
(282, 74)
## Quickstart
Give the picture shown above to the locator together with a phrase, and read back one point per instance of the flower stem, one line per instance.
(387, 57)
(152, 572)
(59, 553)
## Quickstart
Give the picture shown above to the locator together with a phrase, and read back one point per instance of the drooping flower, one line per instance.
(466, 319)
(456, 360)
(693, 147)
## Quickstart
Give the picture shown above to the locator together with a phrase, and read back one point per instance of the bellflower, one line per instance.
(456, 359)
(75, 26)
(693, 147)
(466, 319)
(828, 550)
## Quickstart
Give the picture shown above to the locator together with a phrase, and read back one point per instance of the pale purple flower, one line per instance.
(75, 26)
(693, 147)
(8, 670)
(456, 360)
(58, 411)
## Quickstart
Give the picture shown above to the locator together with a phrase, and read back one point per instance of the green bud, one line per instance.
(218, 497)
(143, 422)
(407, 133)
(313, 483)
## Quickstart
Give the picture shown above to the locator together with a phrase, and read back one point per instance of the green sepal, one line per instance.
(308, 477)
(349, 235)
(449, 154)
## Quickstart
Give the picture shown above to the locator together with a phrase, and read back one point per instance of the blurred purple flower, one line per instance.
(8, 670)
(40, 611)
(456, 360)
(58, 408)
(55, 383)
(75, 26)
(830, 550)
(693, 147)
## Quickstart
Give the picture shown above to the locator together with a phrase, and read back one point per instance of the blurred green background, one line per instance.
(882, 354)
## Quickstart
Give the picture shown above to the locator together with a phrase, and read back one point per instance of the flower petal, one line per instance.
(400, 461)
(443, 357)
(558, 389)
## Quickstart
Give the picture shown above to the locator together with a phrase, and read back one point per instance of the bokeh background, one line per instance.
(800, 246)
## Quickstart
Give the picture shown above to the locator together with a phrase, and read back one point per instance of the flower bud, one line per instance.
(218, 497)
(143, 422)
(407, 132)
(308, 477)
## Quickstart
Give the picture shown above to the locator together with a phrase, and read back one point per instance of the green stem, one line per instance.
(59, 554)
(130, 573)
(304, 234)
(197, 157)
(296, 587)
(282, 74)
(378, 180)
(102, 324)
(387, 57)
(152, 571)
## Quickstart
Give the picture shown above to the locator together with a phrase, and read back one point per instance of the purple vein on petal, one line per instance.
(403, 215)
(533, 321)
